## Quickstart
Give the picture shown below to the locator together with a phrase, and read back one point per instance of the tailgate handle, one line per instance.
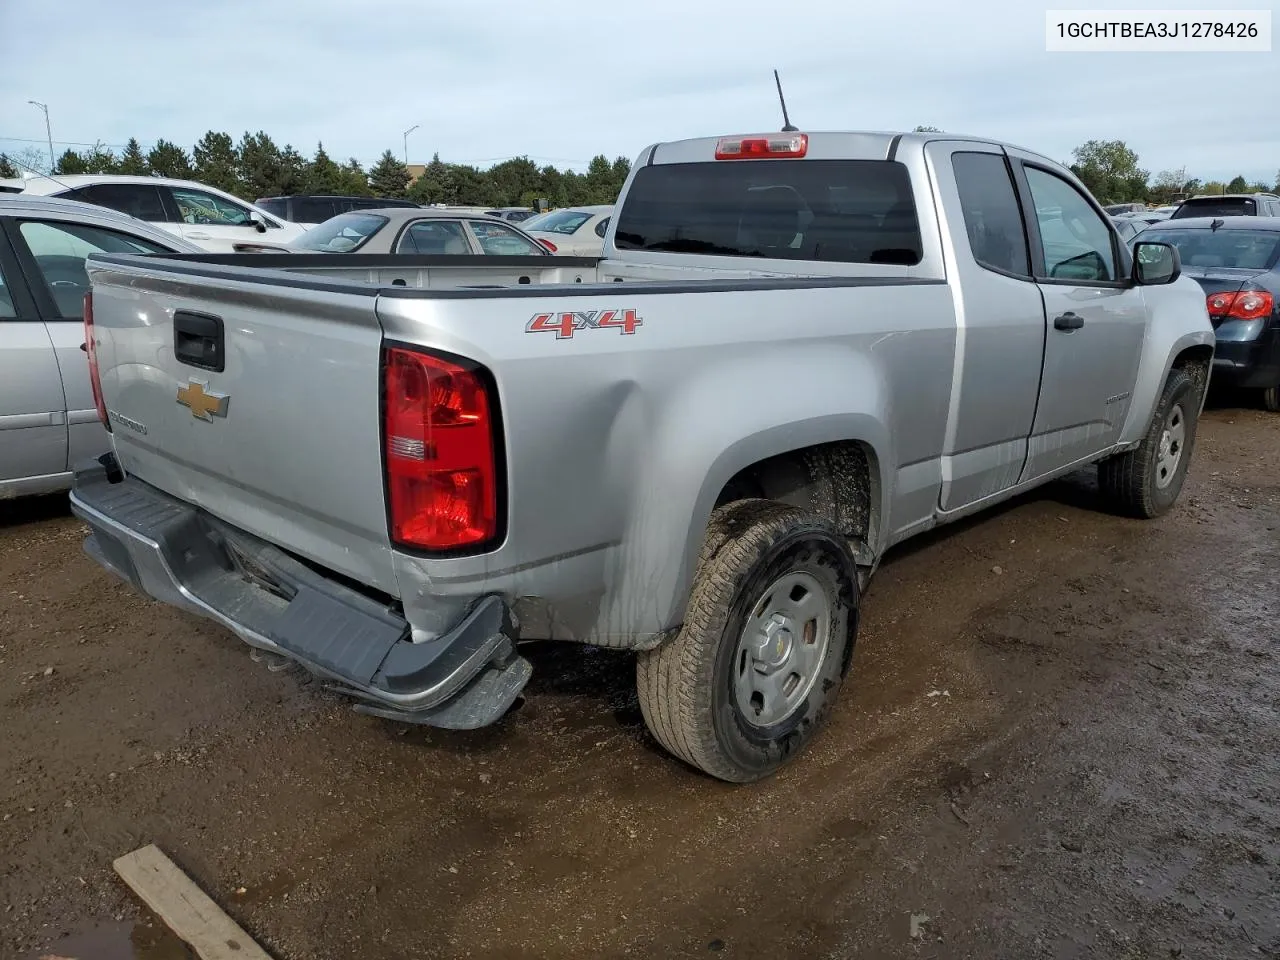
(198, 340)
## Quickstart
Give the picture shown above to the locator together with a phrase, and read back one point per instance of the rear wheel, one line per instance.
(1271, 399)
(767, 637)
(1146, 481)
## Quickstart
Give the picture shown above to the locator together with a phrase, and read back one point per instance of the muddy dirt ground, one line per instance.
(1062, 739)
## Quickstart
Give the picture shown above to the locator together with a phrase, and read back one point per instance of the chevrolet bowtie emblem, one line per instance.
(203, 404)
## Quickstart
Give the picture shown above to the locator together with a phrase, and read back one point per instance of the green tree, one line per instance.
(1238, 185)
(389, 176)
(1167, 185)
(323, 175)
(260, 167)
(7, 170)
(435, 185)
(70, 164)
(215, 161)
(511, 179)
(1214, 188)
(923, 129)
(354, 181)
(133, 161)
(97, 159)
(1277, 186)
(1110, 170)
(169, 160)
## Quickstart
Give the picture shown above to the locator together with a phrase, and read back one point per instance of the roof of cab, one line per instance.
(825, 144)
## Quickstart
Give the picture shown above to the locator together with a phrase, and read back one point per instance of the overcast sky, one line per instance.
(563, 80)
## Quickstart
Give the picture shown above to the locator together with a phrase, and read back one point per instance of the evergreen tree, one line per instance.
(258, 166)
(169, 160)
(389, 176)
(354, 181)
(215, 161)
(7, 170)
(133, 161)
(70, 164)
(292, 176)
(1238, 185)
(323, 175)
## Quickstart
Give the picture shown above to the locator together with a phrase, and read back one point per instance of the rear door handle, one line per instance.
(1068, 321)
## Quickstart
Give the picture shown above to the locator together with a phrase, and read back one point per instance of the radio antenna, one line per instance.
(786, 120)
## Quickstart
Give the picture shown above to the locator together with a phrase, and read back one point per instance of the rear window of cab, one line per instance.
(844, 211)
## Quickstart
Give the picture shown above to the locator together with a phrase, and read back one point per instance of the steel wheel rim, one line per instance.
(1173, 439)
(781, 649)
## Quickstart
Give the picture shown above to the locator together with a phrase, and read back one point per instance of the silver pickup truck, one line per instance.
(797, 351)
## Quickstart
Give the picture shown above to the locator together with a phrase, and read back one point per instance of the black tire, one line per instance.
(687, 686)
(1139, 483)
(1271, 399)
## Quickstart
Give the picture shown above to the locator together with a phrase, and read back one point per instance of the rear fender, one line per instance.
(698, 445)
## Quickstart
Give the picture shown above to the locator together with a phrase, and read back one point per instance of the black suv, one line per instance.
(1230, 205)
(319, 208)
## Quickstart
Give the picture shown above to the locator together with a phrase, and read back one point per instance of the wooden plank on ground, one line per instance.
(182, 905)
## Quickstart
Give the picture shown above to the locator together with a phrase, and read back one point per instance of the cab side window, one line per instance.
(1077, 241)
(59, 250)
(992, 218)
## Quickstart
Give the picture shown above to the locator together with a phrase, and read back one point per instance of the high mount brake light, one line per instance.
(1244, 305)
(91, 351)
(754, 148)
(439, 432)
(548, 244)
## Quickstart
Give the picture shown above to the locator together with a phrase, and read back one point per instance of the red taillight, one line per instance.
(746, 148)
(1245, 305)
(442, 478)
(91, 351)
(548, 244)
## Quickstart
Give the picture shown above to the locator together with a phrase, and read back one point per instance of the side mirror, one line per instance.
(258, 223)
(1155, 263)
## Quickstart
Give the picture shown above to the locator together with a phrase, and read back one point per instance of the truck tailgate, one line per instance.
(258, 402)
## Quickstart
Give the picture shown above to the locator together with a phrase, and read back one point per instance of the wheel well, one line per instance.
(1196, 362)
(834, 480)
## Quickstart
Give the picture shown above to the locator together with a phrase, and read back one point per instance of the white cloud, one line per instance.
(564, 81)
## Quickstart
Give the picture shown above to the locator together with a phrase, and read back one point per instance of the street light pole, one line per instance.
(48, 132)
(406, 142)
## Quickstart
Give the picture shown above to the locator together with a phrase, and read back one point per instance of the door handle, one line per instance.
(198, 236)
(1068, 321)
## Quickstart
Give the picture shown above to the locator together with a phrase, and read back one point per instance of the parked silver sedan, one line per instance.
(421, 231)
(49, 419)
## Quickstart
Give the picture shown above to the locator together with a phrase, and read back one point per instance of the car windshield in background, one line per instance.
(558, 221)
(1205, 249)
(843, 211)
(345, 233)
(1215, 207)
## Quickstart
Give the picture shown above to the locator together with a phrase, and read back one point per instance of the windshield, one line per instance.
(558, 221)
(1238, 249)
(342, 234)
(845, 211)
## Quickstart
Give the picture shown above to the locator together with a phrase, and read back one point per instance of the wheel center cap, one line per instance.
(773, 649)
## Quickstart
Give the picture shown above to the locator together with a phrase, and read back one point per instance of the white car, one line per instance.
(571, 231)
(206, 216)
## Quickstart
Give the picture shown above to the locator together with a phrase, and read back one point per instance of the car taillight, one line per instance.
(1244, 305)
(91, 351)
(548, 244)
(440, 435)
(745, 148)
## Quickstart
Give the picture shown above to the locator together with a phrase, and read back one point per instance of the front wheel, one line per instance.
(1146, 481)
(768, 634)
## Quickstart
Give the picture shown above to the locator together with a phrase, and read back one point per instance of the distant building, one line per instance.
(416, 170)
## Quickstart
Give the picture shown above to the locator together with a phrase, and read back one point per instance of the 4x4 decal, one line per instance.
(569, 322)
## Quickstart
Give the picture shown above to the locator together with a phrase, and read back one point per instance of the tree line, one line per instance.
(256, 167)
